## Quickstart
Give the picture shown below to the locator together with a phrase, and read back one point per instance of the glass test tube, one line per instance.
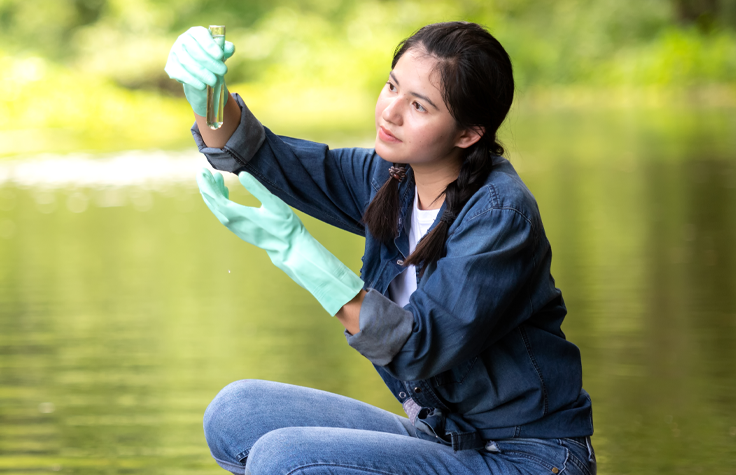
(216, 95)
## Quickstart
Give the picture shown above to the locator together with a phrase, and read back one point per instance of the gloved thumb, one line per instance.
(258, 190)
(228, 49)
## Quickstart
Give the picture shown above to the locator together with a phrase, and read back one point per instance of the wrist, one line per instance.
(349, 314)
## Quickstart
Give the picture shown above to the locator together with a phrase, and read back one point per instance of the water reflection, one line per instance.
(125, 307)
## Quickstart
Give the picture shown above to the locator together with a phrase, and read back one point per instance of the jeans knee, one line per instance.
(225, 420)
(278, 451)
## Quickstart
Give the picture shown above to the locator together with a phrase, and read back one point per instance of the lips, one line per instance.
(386, 135)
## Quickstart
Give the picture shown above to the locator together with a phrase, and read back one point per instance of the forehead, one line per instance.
(417, 71)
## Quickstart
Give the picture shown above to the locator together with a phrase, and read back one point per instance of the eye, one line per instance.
(391, 86)
(418, 106)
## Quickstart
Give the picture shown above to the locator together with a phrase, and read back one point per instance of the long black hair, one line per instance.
(477, 85)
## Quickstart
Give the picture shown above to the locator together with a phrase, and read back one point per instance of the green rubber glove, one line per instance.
(197, 61)
(275, 228)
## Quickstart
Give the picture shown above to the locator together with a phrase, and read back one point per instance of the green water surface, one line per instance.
(124, 311)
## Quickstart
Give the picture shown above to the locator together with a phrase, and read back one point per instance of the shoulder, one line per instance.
(503, 193)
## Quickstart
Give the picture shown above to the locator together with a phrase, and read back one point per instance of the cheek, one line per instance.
(380, 106)
(429, 135)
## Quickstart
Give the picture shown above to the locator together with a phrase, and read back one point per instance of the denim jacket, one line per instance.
(478, 349)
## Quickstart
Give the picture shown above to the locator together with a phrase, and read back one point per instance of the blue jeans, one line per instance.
(261, 427)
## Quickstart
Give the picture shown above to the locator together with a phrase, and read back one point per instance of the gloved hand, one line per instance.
(275, 228)
(197, 61)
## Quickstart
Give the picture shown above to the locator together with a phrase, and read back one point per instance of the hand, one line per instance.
(197, 61)
(271, 227)
(275, 228)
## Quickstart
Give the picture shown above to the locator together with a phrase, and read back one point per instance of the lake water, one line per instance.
(125, 306)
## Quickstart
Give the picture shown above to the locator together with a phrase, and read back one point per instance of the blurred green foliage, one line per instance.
(322, 62)
(559, 41)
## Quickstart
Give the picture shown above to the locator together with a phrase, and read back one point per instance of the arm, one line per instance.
(475, 295)
(218, 138)
(277, 230)
(333, 186)
(349, 314)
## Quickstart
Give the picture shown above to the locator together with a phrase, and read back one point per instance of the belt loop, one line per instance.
(591, 453)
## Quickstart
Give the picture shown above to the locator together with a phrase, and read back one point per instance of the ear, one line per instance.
(468, 137)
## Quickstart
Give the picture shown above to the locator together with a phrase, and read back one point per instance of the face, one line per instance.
(413, 124)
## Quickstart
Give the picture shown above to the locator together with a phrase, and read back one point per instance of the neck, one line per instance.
(431, 181)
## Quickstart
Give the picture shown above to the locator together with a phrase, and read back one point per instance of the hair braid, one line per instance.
(473, 173)
(382, 215)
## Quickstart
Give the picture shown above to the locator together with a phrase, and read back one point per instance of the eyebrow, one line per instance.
(415, 94)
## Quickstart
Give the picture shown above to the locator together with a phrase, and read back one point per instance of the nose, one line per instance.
(392, 112)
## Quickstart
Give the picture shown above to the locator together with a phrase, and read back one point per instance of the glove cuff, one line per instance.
(317, 270)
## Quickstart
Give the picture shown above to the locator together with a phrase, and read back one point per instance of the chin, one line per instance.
(385, 152)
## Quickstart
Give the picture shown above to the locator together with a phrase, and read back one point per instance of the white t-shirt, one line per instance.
(405, 283)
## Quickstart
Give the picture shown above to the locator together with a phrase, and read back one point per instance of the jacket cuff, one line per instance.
(242, 145)
(384, 328)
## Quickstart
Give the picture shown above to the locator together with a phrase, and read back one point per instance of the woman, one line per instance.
(456, 308)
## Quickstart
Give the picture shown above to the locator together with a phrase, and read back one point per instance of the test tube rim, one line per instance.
(217, 30)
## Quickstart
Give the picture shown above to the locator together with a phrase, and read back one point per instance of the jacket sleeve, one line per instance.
(474, 296)
(330, 185)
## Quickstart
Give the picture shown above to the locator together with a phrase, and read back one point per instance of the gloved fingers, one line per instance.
(220, 183)
(216, 194)
(208, 185)
(176, 71)
(203, 36)
(269, 201)
(228, 50)
(195, 69)
(203, 57)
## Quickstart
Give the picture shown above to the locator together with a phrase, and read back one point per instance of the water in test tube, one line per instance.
(216, 95)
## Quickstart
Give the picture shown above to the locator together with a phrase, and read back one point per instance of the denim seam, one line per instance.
(441, 382)
(406, 190)
(494, 195)
(540, 461)
(505, 208)
(229, 466)
(345, 226)
(342, 174)
(568, 440)
(536, 367)
(591, 412)
(534, 266)
(578, 463)
(320, 464)
(430, 395)
(470, 366)
(243, 455)
(235, 155)
(379, 273)
(496, 204)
